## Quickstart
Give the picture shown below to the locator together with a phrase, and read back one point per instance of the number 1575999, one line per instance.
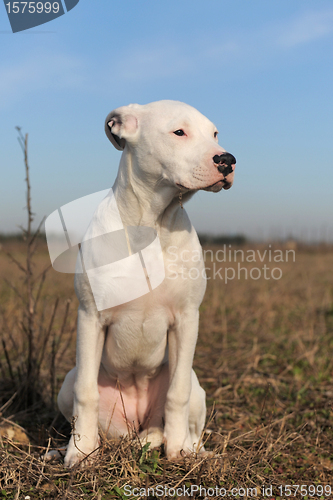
(32, 7)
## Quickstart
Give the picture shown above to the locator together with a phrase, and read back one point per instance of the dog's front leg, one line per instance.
(90, 340)
(181, 343)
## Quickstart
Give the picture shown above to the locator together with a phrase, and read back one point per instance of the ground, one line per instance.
(264, 357)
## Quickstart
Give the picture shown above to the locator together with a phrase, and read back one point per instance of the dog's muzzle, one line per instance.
(224, 162)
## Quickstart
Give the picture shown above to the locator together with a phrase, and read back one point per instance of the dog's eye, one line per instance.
(179, 132)
(215, 134)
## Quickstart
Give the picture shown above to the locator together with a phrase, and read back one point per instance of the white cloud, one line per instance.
(38, 72)
(145, 63)
(166, 60)
(311, 25)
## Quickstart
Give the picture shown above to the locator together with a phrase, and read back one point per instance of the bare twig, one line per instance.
(8, 360)
(47, 333)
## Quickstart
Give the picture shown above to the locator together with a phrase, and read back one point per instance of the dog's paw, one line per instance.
(177, 455)
(54, 455)
(79, 451)
(154, 436)
(176, 451)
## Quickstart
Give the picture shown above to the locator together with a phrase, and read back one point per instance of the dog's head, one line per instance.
(172, 143)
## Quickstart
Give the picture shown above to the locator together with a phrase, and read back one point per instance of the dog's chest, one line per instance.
(136, 337)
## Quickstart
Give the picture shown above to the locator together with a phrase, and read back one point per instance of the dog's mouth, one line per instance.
(217, 186)
(183, 187)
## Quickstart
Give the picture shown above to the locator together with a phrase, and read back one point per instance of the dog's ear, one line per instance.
(121, 125)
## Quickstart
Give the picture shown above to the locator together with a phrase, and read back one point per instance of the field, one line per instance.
(264, 357)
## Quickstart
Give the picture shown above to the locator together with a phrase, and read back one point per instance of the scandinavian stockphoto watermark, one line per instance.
(26, 15)
(227, 264)
(123, 263)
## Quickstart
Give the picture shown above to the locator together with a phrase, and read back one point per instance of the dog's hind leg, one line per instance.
(197, 414)
(65, 396)
(65, 404)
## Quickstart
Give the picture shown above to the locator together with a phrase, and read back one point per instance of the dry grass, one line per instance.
(263, 357)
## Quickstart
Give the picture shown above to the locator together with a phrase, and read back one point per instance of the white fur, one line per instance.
(142, 351)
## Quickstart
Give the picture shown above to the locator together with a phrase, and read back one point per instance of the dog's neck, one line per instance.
(144, 201)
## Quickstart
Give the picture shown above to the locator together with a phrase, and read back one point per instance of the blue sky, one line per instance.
(262, 71)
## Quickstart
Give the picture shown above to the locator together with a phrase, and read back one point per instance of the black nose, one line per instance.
(224, 162)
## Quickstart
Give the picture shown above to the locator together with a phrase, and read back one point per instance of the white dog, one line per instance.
(134, 361)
